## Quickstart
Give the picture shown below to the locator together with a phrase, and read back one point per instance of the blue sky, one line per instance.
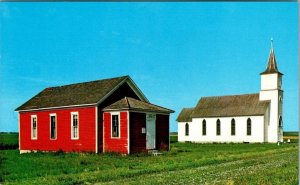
(175, 52)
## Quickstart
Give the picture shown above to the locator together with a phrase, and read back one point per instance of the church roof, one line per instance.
(235, 105)
(272, 65)
(222, 106)
(128, 103)
(185, 115)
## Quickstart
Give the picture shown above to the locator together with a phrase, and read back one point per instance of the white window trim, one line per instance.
(128, 132)
(111, 129)
(72, 136)
(53, 114)
(96, 130)
(36, 136)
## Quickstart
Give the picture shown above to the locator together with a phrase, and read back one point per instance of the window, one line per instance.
(248, 127)
(115, 125)
(280, 99)
(33, 127)
(74, 125)
(233, 127)
(53, 126)
(218, 127)
(280, 122)
(186, 129)
(204, 127)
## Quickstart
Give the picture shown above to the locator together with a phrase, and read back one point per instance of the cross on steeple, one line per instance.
(271, 43)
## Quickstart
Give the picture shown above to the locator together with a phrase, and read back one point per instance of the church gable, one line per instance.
(185, 115)
(235, 105)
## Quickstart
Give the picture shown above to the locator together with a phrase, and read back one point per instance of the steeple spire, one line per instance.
(272, 66)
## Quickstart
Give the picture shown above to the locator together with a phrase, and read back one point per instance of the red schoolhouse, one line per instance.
(110, 115)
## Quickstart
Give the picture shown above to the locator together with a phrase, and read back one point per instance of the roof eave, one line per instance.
(58, 107)
(193, 116)
(183, 120)
(267, 72)
(141, 110)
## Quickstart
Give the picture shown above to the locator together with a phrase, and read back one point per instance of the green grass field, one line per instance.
(9, 140)
(186, 163)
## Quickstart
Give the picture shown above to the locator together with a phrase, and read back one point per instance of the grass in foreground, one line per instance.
(186, 163)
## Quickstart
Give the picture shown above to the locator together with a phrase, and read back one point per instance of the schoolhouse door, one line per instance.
(150, 131)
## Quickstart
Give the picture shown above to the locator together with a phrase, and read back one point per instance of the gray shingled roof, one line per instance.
(185, 115)
(272, 65)
(73, 94)
(221, 106)
(236, 105)
(128, 103)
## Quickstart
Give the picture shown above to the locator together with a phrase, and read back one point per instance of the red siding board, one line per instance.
(86, 141)
(162, 132)
(137, 138)
(118, 145)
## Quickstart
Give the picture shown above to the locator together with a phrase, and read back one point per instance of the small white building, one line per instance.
(254, 118)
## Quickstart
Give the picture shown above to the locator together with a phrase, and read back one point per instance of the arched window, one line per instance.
(280, 99)
(186, 129)
(233, 127)
(280, 124)
(248, 127)
(218, 127)
(204, 127)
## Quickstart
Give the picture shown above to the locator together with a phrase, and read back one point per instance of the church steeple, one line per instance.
(272, 65)
(271, 90)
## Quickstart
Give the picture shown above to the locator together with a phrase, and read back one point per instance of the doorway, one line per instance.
(150, 131)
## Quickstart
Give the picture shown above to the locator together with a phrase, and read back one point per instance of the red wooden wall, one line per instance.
(137, 139)
(162, 132)
(86, 141)
(119, 145)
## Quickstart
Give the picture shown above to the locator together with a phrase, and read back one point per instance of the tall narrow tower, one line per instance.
(271, 89)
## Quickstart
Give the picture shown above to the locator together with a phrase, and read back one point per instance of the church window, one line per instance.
(248, 127)
(233, 127)
(280, 99)
(280, 122)
(204, 127)
(186, 129)
(218, 127)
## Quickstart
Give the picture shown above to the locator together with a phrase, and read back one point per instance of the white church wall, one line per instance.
(181, 132)
(195, 128)
(273, 129)
(269, 81)
(266, 123)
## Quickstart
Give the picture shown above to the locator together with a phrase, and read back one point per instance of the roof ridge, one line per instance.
(188, 108)
(126, 76)
(151, 104)
(127, 102)
(136, 104)
(230, 95)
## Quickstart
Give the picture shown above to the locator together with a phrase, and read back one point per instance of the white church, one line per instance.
(253, 118)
